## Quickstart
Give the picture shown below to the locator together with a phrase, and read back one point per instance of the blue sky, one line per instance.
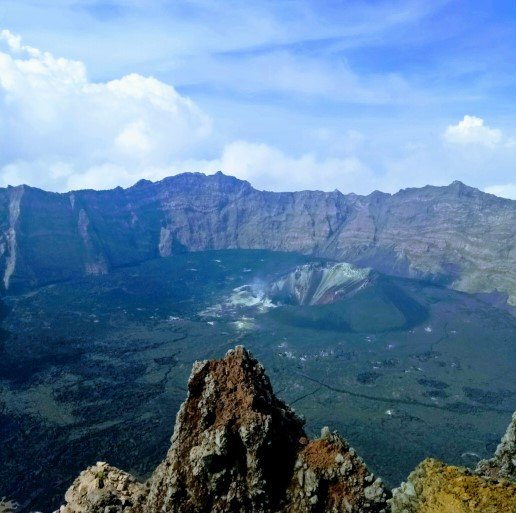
(354, 95)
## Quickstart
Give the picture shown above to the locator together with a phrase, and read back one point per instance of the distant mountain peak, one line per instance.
(459, 186)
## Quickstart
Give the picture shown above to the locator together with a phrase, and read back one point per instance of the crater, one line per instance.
(319, 284)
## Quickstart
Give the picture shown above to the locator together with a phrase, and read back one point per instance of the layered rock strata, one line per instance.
(455, 234)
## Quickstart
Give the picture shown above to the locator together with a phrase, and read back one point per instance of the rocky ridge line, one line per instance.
(434, 487)
(456, 234)
(503, 465)
(237, 448)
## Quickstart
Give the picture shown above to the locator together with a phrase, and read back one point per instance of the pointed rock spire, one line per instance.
(234, 443)
(237, 448)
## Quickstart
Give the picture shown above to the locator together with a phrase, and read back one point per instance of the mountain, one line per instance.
(455, 234)
(95, 368)
(237, 448)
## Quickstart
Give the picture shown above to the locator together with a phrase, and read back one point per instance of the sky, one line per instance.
(287, 94)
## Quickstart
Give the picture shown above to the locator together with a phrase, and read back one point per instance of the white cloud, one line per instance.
(507, 190)
(58, 124)
(62, 132)
(59, 130)
(267, 167)
(472, 130)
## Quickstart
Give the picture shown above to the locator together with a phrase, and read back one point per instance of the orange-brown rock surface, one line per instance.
(237, 448)
(434, 487)
(330, 477)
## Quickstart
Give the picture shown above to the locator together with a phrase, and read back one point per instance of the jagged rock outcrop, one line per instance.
(434, 487)
(503, 465)
(455, 234)
(104, 489)
(237, 448)
(330, 477)
(234, 443)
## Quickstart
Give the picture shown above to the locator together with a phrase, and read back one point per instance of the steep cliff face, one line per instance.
(456, 234)
(237, 448)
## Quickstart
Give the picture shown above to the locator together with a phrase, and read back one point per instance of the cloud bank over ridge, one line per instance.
(63, 132)
(59, 126)
(60, 130)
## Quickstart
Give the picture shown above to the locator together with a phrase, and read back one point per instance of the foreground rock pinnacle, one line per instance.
(234, 444)
(237, 448)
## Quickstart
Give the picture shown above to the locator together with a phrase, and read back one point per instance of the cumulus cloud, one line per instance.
(61, 131)
(58, 126)
(507, 190)
(472, 130)
(267, 167)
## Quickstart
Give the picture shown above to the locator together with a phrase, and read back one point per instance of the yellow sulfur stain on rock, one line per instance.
(434, 487)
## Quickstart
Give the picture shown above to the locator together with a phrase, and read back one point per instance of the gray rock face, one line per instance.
(504, 462)
(234, 443)
(455, 234)
(104, 489)
(7, 506)
(330, 477)
(236, 448)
